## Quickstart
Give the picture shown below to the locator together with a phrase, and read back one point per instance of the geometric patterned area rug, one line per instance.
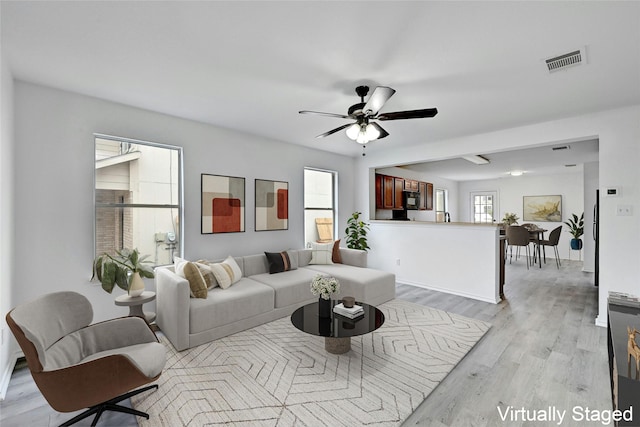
(276, 375)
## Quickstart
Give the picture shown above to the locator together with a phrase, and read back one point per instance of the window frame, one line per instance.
(334, 200)
(180, 202)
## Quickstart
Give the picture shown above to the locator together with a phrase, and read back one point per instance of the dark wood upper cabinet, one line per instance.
(379, 191)
(388, 192)
(422, 188)
(399, 186)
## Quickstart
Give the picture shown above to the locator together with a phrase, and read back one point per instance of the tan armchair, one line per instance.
(77, 365)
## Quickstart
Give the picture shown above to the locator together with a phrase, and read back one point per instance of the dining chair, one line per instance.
(518, 236)
(554, 238)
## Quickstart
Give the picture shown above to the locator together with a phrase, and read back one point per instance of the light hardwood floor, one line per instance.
(542, 350)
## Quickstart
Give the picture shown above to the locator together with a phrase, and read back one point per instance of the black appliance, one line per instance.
(399, 215)
(411, 200)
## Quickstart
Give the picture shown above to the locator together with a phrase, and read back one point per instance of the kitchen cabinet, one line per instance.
(389, 192)
(379, 191)
(399, 188)
(411, 185)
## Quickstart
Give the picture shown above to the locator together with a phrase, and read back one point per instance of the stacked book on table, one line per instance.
(351, 312)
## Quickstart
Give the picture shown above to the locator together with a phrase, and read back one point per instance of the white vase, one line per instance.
(136, 285)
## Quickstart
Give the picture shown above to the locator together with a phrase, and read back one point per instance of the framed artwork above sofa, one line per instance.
(223, 204)
(272, 205)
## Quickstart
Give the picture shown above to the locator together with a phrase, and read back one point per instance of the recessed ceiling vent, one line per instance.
(560, 147)
(571, 59)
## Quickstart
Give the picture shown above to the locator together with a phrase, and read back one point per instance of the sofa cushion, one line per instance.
(336, 257)
(364, 284)
(321, 253)
(291, 287)
(198, 283)
(279, 262)
(245, 299)
(226, 272)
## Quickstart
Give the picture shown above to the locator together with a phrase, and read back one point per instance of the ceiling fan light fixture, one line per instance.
(362, 138)
(371, 132)
(353, 131)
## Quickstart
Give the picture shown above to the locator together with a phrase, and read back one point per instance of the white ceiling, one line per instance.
(535, 161)
(251, 66)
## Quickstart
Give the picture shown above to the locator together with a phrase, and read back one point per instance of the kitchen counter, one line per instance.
(455, 257)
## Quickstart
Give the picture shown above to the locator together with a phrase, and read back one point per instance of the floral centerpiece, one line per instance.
(323, 287)
(510, 218)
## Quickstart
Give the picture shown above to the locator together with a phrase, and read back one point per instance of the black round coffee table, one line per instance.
(337, 329)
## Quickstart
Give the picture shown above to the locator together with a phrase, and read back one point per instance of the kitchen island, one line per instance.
(458, 258)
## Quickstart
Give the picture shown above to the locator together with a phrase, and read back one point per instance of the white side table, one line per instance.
(135, 305)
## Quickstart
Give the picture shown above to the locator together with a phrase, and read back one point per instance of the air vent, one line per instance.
(561, 147)
(571, 59)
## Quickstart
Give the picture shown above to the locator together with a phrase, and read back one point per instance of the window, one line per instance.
(319, 206)
(138, 198)
(483, 206)
(442, 202)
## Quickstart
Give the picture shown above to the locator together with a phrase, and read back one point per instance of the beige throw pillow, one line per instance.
(190, 271)
(321, 253)
(227, 272)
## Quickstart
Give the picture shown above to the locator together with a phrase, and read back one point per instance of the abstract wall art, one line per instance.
(272, 205)
(542, 208)
(223, 204)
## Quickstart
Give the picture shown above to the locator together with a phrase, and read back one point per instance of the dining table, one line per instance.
(536, 235)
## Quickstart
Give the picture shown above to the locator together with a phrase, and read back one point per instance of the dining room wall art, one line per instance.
(223, 204)
(272, 205)
(542, 208)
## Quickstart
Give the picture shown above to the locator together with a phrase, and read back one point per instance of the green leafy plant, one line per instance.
(357, 232)
(576, 225)
(111, 270)
(510, 218)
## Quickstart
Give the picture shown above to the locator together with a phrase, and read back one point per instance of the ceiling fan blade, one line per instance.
(377, 99)
(339, 116)
(332, 131)
(410, 114)
(383, 133)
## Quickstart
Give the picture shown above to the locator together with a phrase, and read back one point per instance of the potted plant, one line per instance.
(124, 269)
(510, 219)
(576, 229)
(357, 232)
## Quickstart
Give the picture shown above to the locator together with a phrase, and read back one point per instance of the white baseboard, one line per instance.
(601, 321)
(448, 291)
(6, 375)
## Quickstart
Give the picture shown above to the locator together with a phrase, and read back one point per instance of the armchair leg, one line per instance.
(111, 405)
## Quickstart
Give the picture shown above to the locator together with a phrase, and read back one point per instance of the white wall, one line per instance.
(6, 220)
(54, 163)
(618, 132)
(511, 190)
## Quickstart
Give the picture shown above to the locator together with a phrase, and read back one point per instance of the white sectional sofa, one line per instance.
(259, 297)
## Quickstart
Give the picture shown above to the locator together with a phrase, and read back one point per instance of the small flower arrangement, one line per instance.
(324, 286)
(510, 218)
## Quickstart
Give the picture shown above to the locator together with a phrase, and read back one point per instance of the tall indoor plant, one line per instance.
(576, 229)
(124, 269)
(357, 232)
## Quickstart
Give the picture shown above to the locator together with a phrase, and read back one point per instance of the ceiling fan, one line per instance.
(365, 129)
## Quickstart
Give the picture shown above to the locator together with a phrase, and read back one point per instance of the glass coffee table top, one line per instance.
(307, 320)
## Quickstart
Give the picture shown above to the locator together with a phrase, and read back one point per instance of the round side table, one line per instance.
(135, 305)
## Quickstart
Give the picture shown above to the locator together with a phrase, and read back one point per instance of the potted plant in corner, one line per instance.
(124, 269)
(576, 229)
(357, 232)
